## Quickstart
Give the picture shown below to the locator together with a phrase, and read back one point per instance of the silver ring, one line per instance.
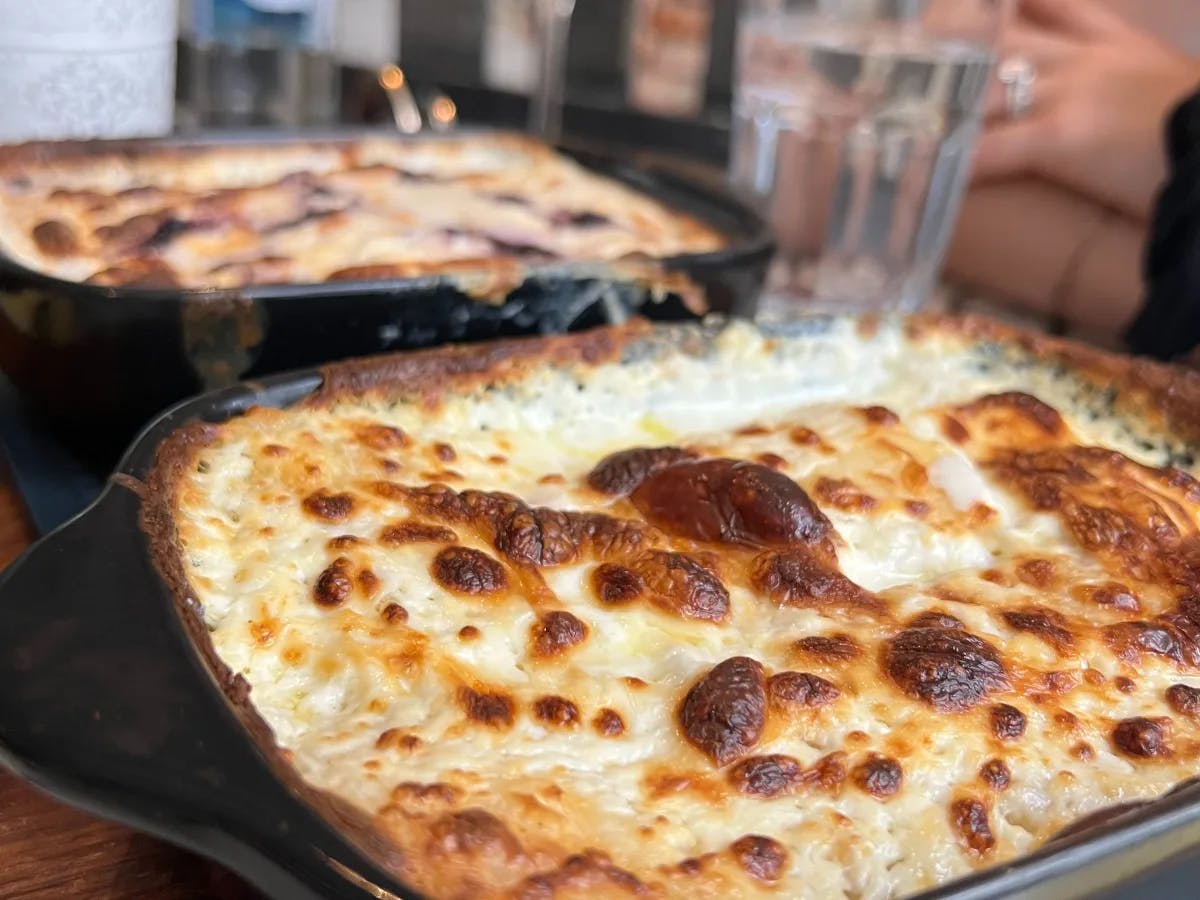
(1018, 75)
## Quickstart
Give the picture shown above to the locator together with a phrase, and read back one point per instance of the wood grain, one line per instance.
(48, 850)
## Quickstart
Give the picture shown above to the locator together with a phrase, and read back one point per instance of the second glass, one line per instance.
(854, 122)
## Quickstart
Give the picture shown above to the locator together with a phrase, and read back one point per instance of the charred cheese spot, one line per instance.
(1113, 594)
(1129, 640)
(1044, 623)
(343, 542)
(1124, 685)
(55, 238)
(830, 649)
(469, 633)
(616, 585)
(803, 436)
(580, 875)
(730, 501)
(1066, 721)
(969, 817)
(954, 430)
(948, 668)
(678, 584)
(329, 507)
(879, 415)
(1060, 682)
(766, 776)
(413, 532)
(1001, 412)
(394, 614)
(620, 473)
(444, 452)
(724, 712)
(1184, 699)
(789, 690)
(397, 739)
(1112, 507)
(918, 509)
(880, 776)
(828, 773)
(473, 833)
(994, 773)
(608, 722)
(492, 709)
(555, 633)
(1037, 572)
(762, 858)
(368, 582)
(557, 711)
(1083, 751)
(1142, 738)
(799, 578)
(415, 798)
(539, 537)
(771, 460)
(752, 431)
(841, 493)
(935, 619)
(468, 571)
(334, 584)
(382, 437)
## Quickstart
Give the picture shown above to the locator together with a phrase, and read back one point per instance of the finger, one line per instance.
(1045, 49)
(1076, 18)
(1007, 149)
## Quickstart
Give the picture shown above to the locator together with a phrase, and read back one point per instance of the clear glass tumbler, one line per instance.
(854, 123)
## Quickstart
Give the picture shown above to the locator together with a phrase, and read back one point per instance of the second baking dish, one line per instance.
(99, 356)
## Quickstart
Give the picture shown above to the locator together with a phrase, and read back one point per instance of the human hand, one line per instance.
(1103, 91)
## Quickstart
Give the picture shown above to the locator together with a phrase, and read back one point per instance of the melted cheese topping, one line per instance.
(231, 216)
(524, 724)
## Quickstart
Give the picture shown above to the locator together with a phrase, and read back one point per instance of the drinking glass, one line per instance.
(854, 123)
(546, 104)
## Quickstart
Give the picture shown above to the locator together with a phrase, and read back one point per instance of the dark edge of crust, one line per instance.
(1141, 385)
(16, 157)
(172, 458)
(431, 374)
(428, 375)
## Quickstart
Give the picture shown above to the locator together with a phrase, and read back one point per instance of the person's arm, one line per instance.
(1050, 251)
(1168, 325)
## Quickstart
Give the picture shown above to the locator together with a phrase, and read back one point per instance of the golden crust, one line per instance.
(449, 845)
(227, 216)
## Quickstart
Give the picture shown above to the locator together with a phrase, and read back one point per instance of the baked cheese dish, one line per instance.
(843, 610)
(226, 216)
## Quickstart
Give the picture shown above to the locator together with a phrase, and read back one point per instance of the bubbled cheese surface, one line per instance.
(494, 738)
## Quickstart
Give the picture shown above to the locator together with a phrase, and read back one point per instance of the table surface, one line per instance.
(48, 850)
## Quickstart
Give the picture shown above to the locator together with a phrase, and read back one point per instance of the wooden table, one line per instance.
(48, 850)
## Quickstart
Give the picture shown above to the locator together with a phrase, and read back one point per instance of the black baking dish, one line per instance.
(109, 703)
(96, 362)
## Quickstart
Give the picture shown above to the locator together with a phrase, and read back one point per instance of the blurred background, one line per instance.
(654, 78)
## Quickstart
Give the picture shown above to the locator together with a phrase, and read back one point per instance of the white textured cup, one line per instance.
(86, 68)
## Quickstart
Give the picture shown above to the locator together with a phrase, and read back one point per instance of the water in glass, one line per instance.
(856, 137)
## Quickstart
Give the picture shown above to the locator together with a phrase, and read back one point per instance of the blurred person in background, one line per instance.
(1077, 211)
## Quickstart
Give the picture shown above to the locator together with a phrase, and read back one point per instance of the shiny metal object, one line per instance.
(405, 112)
(546, 104)
(441, 113)
(1018, 74)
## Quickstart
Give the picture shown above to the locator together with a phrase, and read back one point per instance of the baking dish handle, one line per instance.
(105, 704)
